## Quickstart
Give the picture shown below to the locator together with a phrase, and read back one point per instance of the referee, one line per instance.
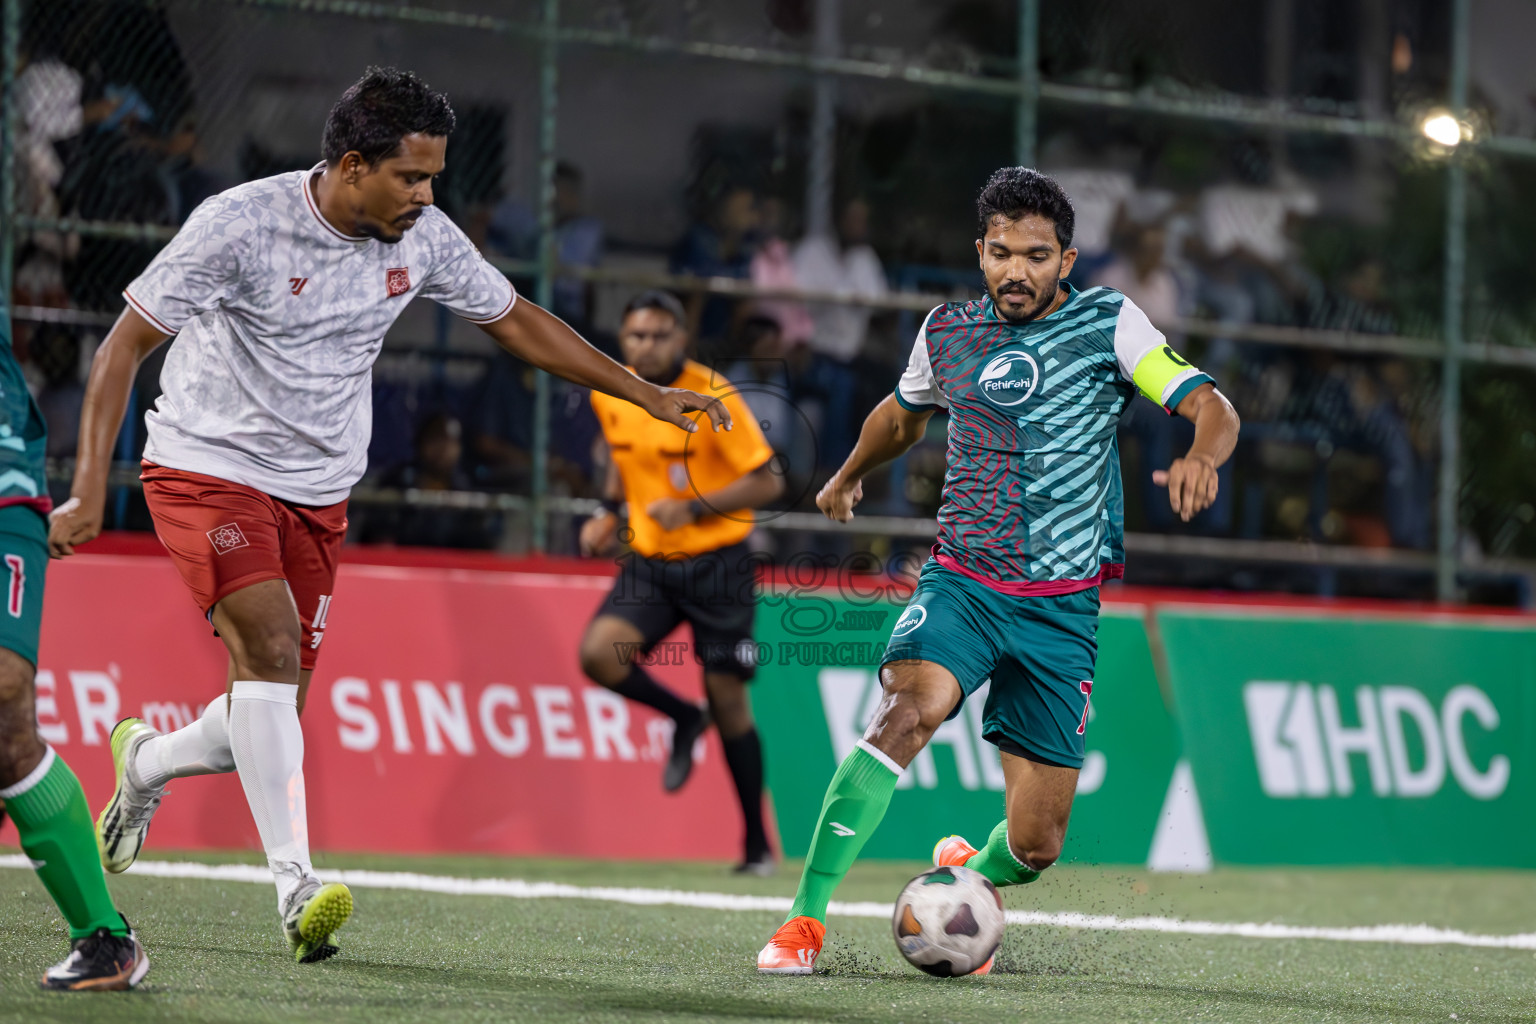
(689, 498)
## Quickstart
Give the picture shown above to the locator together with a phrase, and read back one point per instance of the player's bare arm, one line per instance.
(78, 520)
(1192, 481)
(539, 337)
(749, 491)
(888, 432)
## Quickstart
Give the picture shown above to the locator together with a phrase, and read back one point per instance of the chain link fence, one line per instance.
(1265, 186)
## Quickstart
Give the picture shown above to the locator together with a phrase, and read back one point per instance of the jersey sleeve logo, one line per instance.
(914, 615)
(397, 281)
(1009, 378)
(296, 284)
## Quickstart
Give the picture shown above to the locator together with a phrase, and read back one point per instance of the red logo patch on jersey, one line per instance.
(296, 284)
(227, 538)
(397, 281)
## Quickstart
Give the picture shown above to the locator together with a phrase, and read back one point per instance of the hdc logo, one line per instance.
(1303, 748)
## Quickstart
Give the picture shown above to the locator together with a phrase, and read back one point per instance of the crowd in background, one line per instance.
(1335, 449)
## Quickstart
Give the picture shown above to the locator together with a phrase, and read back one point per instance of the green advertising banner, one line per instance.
(817, 687)
(1355, 740)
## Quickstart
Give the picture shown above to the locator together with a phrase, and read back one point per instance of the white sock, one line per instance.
(201, 748)
(268, 746)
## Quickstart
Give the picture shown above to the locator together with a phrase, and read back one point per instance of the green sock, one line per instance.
(856, 800)
(54, 823)
(997, 862)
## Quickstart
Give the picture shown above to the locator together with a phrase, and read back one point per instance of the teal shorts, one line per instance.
(1038, 652)
(24, 550)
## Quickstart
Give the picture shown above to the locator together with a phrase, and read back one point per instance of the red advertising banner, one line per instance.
(447, 714)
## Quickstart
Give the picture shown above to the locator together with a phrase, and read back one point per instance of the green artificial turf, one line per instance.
(420, 957)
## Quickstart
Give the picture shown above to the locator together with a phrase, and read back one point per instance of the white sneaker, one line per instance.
(121, 829)
(311, 913)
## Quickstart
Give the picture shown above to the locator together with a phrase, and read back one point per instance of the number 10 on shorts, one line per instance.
(317, 624)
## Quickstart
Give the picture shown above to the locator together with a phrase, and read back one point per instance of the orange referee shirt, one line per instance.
(658, 460)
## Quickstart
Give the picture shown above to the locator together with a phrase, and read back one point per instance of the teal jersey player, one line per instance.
(1032, 500)
(40, 793)
(23, 437)
(1034, 378)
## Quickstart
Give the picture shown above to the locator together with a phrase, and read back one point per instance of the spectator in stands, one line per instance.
(113, 173)
(435, 467)
(48, 102)
(188, 177)
(502, 437)
(762, 376)
(843, 263)
(513, 232)
(56, 355)
(773, 266)
(721, 245)
(1140, 270)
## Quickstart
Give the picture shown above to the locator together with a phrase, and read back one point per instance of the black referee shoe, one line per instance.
(680, 764)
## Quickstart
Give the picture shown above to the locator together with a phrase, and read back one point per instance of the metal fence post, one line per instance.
(10, 32)
(549, 83)
(1446, 588)
(1026, 126)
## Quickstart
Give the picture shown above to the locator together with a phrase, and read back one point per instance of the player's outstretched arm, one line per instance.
(1191, 481)
(78, 520)
(888, 432)
(543, 339)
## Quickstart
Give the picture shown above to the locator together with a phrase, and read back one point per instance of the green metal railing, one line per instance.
(1024, 88)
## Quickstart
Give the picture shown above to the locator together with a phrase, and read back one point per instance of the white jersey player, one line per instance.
(279, 293)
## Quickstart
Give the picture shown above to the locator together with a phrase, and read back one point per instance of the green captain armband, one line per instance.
(1166, 378)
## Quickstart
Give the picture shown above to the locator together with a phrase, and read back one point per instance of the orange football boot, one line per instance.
(952, 852)
(793, 948)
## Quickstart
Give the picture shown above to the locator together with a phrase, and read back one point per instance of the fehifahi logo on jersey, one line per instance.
(227, 538)
(911, 618)
(1009, 378)
(397, 281)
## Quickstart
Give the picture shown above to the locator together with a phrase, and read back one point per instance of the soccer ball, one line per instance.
(949, 921)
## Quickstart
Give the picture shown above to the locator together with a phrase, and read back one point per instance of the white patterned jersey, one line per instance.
(278, 319)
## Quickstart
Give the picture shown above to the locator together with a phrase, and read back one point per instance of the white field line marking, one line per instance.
(514, 888)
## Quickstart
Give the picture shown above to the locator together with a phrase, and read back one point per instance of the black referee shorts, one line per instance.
(713, 592)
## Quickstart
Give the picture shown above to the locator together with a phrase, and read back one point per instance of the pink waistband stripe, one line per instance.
(1031, 588)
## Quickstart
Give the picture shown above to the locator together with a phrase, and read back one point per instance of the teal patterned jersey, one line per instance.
(1032, 496)
(23, 436)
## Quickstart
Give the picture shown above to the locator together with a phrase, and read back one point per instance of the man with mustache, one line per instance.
(1034, 378)
(280, 292)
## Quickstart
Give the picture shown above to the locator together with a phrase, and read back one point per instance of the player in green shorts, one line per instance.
(41, 795)
(1034, 378)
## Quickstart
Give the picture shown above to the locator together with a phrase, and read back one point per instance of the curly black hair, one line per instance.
(1014, 192)
(379, 110)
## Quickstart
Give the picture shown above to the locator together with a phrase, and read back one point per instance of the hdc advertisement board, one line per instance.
(1359, 740)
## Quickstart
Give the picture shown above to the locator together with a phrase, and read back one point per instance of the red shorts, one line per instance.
(226, 536)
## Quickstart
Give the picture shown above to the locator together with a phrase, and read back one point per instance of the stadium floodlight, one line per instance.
(1442, 127)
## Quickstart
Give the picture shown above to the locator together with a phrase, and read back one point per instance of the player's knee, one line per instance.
(728, 706)
(600, 662)
(273, 655)
(906, 719)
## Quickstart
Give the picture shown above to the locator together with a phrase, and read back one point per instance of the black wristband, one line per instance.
(698, 508)
(611, 505)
